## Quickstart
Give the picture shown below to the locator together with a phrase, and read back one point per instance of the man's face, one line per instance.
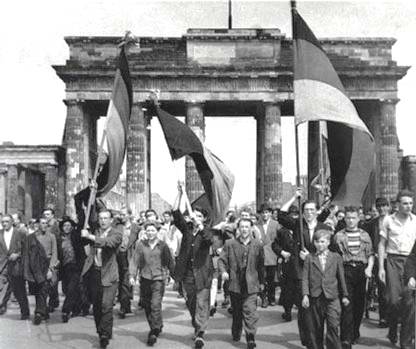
(67, 228)
(351, 220)
(265, 215)
(151, 216)
(383, 210)
(151, 233)
(406, 205)
(167, 218)
(245, 215)
(321, 244)
(16, 220)
(340, 216)
(43, 225)
(124, 216)
(198, 217)
(48, 214)
(310, 211)
(245, 229)
(105, 220)
(6, 222)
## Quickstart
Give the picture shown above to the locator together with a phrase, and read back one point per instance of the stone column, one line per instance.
(269, 156)
(3, 188)
(12, 189)
(51, 188)
(389, 164)
(76, 142)
(409, 174)
(138, 158)
(195, 120)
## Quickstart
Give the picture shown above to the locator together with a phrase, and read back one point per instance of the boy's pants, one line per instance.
(197, 302)
(322, 309)
(244, 311)
(152, 292)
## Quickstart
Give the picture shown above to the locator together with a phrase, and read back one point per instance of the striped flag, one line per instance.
(320, 95)
(118, 115)
(216, 178)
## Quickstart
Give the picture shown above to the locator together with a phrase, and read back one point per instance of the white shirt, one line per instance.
(311, 228)
(400, 236)
(98, 251)
(8, 237)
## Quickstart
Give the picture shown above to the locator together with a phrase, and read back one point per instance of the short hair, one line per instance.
(155, 224)
(351, 209)
(320, 233)
(309, 202)
(48, 209)
(8, 215)
(404, 193)
(104, 210)
(382, 202)
(218, 233)
(265, 207)
(150, 210)
(339, 211)
(202, 210)
(169, 213)
(245, 220)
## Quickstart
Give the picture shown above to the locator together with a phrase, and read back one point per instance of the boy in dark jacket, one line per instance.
(153, 260)
(323, 277)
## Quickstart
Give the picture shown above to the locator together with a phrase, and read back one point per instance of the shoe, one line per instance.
(104, 342)
(264, 303)
(151, 339)
(392, 336)
(3, 310)
(85, 312)
(346, 345)
(272, 303)
(212, 311)
(382, 323)
(251, 344)
(199, 342)
(121, 314)
(37, 319)
(225, 303)
(25, 317)
(180, 295)
(65, 317)
(230, 310)
(287, 317)
(236, 338)
(51, 309)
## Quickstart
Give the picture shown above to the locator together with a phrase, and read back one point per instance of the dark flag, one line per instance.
(118, 115)
(320, 95)
(216, 178)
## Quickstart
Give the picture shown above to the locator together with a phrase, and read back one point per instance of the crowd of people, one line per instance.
(330, 264)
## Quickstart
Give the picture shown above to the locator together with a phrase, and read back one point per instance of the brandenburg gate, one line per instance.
(221, 72)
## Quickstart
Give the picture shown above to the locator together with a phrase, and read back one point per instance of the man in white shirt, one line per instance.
(397, 237)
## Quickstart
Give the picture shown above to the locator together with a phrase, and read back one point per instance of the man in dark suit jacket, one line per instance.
(310, 224)
(268, 228)
(100, 273)
(12, 243)
(194, 267)
(323, 278)
(242, 262)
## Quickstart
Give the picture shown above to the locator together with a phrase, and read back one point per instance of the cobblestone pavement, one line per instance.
(131, 332)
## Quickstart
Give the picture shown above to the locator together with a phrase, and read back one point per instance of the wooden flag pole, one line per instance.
(298, 182)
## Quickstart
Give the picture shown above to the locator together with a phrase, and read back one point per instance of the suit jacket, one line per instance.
(285, 242)
(199, 251)
(330, 281)
(293, 224)
(230, 261)
(17, 242)
(109, 246)
(35, 260)
(267, 237)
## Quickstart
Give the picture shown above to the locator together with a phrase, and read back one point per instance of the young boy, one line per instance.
(153, 260)
(323, 278)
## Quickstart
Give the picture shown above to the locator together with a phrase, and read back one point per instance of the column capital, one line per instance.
(278, 102)
(194, 102)
(389, 101)
(73, 102)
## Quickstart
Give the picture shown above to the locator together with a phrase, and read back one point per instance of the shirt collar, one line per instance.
(240, 239)
(323, 254)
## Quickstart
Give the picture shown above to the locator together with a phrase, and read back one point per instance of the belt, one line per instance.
(354, 264)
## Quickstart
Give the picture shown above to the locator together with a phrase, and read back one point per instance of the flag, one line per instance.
(118, 115)
(216, 178)
(320, 95)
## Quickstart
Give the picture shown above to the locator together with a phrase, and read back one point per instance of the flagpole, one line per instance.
(298, 183)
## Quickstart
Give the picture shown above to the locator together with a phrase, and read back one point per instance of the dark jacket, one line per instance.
(330, 281)
(35, 260)
(17, 242)
(293, 224)
(81, 202)
(285, 242)
(230, 261)
(138, 261)
(78, 247)
(410, 265)
(109, 246)
(372, 227)
(203, 268)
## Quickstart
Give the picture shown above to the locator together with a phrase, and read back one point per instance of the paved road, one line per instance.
(132, 332)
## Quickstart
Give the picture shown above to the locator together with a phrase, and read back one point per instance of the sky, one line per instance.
(32, 40)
